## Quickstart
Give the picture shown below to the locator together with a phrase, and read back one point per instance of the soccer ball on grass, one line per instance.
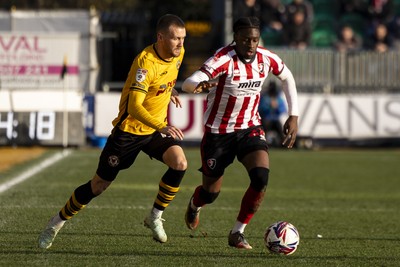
(281, 238)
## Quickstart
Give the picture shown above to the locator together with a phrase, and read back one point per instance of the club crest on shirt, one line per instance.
(211, 163)
(113, 161)
(260, 67)
(141, 75)
(178, 64)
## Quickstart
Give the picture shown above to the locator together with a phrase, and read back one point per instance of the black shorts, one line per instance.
(122, 149)
(219, 150)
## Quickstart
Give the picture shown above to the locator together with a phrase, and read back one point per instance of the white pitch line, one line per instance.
(31, 172)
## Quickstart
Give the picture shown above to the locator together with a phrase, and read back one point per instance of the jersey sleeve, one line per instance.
(142, 74)
(290, 90)
(190, 83)
(218, 64)
(276, 64)
(136, 110)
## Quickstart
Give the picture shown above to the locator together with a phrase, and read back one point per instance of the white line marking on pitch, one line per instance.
(31, 172)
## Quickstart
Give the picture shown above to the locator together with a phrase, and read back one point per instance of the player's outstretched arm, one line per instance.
(198, 82)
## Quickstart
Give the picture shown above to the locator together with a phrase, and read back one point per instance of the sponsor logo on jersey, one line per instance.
(211, 163)
(162, 89)
(249, 84)
(113, 161)
(166, 88)
(141, 75)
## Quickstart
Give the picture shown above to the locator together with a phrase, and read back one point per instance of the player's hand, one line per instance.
(176, 101)
(173, 132)
(175, 98)
(204, 86)
(290, 131)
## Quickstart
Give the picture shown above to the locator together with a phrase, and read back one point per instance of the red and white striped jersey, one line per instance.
(233, 104)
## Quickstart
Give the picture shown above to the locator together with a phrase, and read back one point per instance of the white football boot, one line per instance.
(46, 238)
(155, 224)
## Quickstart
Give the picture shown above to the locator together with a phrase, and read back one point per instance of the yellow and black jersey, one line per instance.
(147, 92)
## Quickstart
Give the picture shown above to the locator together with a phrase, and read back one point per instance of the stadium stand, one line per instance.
(272, 38)
(327, 20)
(326, 7)
(357, 22)
(323, 37)
(396, 6)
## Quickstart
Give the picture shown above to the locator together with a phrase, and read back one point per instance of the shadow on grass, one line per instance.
(191, 234)
(216, 255)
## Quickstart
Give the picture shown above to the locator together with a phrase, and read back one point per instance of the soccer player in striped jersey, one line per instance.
(141, 125)
(233, 78)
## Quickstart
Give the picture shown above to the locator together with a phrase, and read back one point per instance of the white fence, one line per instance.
(325, 70)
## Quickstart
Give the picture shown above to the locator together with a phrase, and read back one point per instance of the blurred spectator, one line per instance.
(348, 40)
(272, 107)
(394, 29)
(299, 5)
(380, 11)
(381, 40)
(377, 12)
(246, 8)
(352, 6)
(272, 15)
(297, 32)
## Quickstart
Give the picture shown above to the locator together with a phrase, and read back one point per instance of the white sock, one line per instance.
(156, 213)
(57, 221)
(239, 227)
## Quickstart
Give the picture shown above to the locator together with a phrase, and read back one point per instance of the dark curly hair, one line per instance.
(246, 23)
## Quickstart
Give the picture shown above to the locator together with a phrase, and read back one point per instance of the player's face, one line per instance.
(246, 42)
(172, 41)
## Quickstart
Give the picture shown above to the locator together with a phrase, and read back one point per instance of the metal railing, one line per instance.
(325, 70)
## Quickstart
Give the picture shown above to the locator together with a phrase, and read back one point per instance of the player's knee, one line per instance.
(175, 158)
(259, 178)
(208, 197)
(180, 164)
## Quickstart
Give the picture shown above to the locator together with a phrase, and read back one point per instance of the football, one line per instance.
(281, 238)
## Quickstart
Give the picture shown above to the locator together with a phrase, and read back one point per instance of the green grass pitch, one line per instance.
(349, 197)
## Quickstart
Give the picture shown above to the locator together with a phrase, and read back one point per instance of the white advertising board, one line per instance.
(35, 60)
(189, 118)
(349, 116)
(321, 116)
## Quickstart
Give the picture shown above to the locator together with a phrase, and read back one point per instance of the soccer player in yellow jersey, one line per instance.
(141, 125)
